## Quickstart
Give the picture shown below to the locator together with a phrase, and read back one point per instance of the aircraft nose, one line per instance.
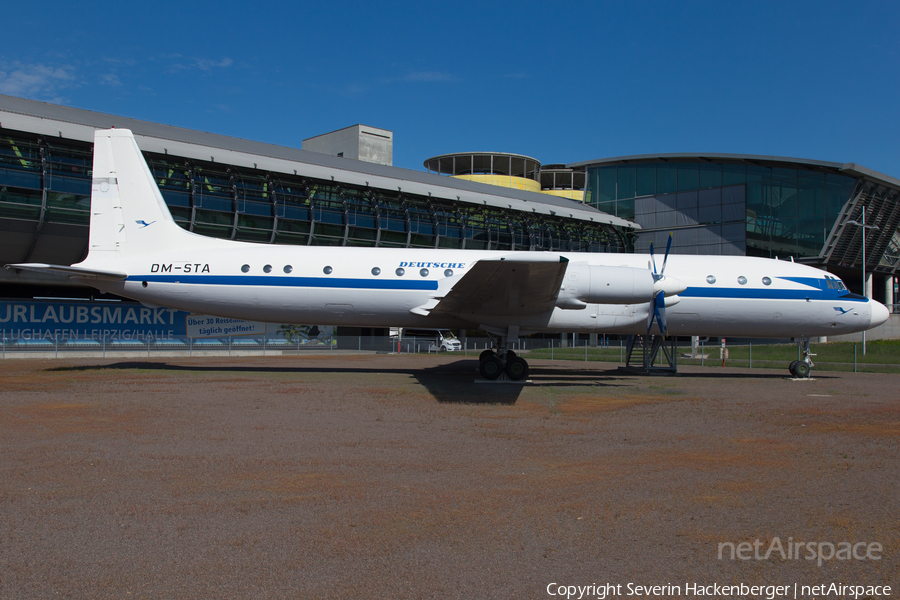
(880, 314)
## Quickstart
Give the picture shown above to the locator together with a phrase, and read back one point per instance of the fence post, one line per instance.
(854, 358)
(104, 346)
(56, 353)
(191, 347)
(359, 338)
(551, 348)
(585, 350)
(751, 355)
(148, 347)
(701, 354)
(620, 351)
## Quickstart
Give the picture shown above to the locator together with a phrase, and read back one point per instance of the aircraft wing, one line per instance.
(70, 271)
(503, 286)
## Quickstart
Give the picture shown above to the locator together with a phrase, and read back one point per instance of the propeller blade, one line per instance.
(666, 258)
(660, 312)
(653, 258)
(657, 311)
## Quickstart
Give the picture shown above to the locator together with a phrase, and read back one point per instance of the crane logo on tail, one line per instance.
(143, 223)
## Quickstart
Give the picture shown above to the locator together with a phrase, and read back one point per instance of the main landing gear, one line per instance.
(802, 368)
(493, 364)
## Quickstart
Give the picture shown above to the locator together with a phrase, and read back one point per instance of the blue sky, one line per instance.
(559, 81)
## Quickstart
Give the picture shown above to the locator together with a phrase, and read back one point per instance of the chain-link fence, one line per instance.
(881, 355)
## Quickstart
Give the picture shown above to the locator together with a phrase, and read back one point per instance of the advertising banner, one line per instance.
(34, 320)
(204, 326)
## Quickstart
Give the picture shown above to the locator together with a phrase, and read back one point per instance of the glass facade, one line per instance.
(48, 182)
(723, 208)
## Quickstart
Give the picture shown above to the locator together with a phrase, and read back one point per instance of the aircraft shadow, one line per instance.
(451, 383)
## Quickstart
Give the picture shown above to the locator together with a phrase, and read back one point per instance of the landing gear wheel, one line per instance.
(516, 368)
(792, 366)
(490, 368)
(510, 354)
(801, 369)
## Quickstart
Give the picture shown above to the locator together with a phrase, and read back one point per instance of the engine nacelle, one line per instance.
(591, 284)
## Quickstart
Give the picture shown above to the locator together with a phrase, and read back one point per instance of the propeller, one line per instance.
(658, 300)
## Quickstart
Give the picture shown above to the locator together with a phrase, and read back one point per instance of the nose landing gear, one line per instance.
(803, 368)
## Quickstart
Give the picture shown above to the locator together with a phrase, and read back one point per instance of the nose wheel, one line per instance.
(801, 369)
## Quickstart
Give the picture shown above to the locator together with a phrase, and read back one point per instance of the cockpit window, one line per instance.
(834, 284)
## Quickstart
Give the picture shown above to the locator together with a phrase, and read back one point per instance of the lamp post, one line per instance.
(865, 287)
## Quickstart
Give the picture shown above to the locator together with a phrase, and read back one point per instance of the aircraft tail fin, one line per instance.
(128, 213)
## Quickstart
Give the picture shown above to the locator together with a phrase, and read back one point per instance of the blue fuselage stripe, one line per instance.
(770, 294)
(426, 285)
(277, 281)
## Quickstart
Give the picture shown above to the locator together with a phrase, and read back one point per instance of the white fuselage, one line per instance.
(337, 286)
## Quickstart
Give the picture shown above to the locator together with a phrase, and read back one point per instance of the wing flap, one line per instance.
(504, 287)
(76, 272)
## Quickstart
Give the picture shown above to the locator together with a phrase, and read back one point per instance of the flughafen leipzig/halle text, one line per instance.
(341, 189)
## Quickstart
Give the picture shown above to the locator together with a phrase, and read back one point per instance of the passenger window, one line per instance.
(288, 268)
(400, 272)
(767, 281)
(267, 269)
(423, 272)
(742, 280)
(245, 269)
(327, 270)
(376, 271)
(710, 279)
(448, 273)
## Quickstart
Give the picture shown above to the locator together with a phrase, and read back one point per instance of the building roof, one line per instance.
(849, 169)
(73, 123)
(358, 126)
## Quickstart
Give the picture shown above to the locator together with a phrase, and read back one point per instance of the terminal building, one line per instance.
(342, 190)
(788, 208)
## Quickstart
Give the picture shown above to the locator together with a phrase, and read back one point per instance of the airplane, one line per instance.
(137, 251)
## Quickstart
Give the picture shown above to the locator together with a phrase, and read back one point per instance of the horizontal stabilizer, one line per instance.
(70, 271)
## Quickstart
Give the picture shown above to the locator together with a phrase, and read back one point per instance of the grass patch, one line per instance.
(882, 356)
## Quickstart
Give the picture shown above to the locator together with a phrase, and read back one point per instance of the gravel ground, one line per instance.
(399, 477)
